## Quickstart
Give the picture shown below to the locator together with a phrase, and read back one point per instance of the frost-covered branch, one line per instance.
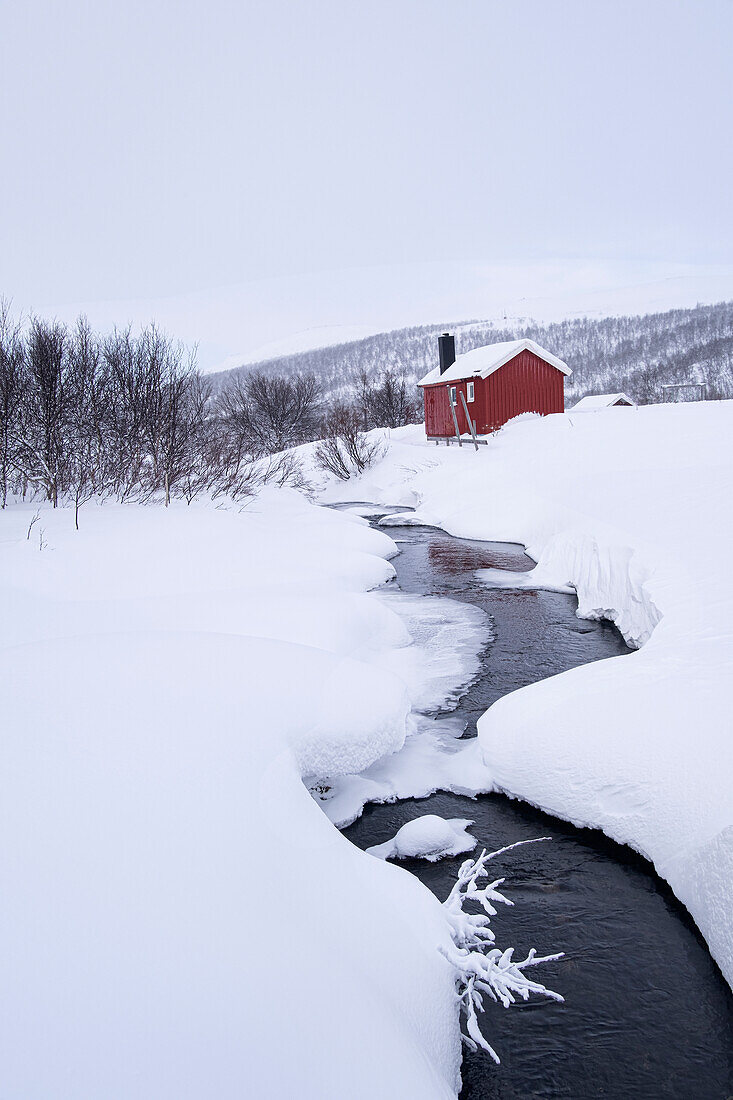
(480, 967)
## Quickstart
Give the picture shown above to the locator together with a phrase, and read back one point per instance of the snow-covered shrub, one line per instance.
(345, 449)
(283, 470)
(480, 967)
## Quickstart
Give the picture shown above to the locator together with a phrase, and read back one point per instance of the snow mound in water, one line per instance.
(409, 519)
(429, 837)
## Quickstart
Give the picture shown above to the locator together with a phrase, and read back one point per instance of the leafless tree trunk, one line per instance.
(40, 452)
(11, 388)
(89, 398)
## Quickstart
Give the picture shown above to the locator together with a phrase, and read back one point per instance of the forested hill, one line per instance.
(636, 355)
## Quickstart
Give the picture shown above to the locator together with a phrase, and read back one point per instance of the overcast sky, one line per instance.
(152, 148)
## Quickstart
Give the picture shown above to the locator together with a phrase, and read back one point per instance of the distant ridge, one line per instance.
(636, 354)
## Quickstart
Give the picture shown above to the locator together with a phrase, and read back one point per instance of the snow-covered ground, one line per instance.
(632, 508)
(179, 918)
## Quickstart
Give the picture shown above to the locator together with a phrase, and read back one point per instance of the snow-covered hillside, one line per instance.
(638, 354)
(231, 324)
(179, 918)
(632, 508)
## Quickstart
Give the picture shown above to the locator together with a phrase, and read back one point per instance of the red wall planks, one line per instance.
(525, 384)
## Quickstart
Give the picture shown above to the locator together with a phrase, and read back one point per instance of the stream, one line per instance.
(647, 1013)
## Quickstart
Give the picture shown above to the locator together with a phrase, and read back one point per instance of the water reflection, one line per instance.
(452, 557)
(537, 633)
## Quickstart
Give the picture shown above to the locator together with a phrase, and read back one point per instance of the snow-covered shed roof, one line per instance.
(601, 401)
(481, 362)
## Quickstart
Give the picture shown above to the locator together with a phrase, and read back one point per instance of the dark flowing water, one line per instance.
(647, 1013)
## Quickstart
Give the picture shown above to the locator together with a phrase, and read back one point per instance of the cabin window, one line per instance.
(453, 395)
(469, 391)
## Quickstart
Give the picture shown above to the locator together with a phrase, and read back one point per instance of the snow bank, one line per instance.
(179, 917)
(445, 640)
(632, 511)
(428, 837)
(436, 660)
(431, 759)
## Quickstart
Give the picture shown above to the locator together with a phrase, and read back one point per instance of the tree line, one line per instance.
(129, 416)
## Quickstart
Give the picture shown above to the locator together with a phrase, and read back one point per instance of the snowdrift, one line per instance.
(179, 917)
(630, 508)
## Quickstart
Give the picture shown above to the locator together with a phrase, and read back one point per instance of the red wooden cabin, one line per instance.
(496, 382)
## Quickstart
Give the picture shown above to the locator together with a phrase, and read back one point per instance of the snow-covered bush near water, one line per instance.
(480, 967)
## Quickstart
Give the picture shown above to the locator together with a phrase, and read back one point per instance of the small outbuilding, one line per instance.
(490, 385)
(603, 401)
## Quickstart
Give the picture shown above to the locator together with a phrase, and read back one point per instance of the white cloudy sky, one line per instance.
(151, 149)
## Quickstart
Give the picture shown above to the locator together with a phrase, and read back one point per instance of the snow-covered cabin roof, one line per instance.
(601, 401)
(481, 362)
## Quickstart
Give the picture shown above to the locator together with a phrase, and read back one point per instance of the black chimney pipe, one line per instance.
(446, 351)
